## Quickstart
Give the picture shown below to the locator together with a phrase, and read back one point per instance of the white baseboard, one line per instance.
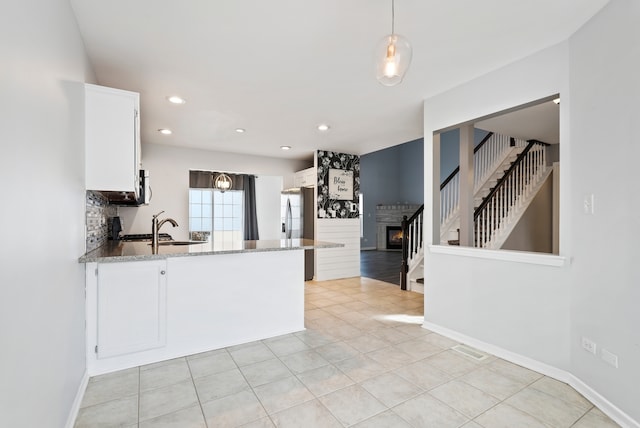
(589, 393)
(416, 287)
(75, 408)
(608, 408)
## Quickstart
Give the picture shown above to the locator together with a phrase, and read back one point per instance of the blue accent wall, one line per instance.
(390, 176)
(450, 150)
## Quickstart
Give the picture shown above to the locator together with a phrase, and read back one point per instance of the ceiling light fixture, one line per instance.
(174, 99)
(323, 127)
(393, 56)
(165, 131)
(222, 182)
(557, 100)
(240, 130)
(285, 147)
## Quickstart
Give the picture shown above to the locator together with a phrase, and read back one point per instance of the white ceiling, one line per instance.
(538, 122)
(278, 68)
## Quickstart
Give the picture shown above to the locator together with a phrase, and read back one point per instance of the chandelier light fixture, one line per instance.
(222, 182)
(393, 56)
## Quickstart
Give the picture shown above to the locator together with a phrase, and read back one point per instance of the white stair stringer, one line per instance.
(416, 270)
(500, 235)
(448, 230)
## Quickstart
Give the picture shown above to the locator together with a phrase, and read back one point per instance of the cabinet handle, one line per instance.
(162, 272)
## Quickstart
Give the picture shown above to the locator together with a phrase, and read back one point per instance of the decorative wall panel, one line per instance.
(338, 185)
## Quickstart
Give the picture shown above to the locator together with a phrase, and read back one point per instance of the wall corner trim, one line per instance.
(75, 408)
(505, 255)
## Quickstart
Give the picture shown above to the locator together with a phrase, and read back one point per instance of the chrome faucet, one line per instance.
(155, 229)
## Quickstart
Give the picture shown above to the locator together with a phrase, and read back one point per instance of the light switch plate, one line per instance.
(588, 203)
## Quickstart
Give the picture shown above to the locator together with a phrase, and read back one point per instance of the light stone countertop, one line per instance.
(120, 251)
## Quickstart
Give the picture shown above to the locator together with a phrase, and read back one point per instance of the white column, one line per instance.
(432, 159)
(466, 186)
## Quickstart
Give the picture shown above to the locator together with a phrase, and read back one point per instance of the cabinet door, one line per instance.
(311, 176)
(132, 307)
(112, 144)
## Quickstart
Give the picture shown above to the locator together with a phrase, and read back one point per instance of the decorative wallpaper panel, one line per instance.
(338, 185)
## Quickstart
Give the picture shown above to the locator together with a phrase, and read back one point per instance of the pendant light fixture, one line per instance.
(393, 56)
(222, 182)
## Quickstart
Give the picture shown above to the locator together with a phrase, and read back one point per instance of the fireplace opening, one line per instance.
(394, 238)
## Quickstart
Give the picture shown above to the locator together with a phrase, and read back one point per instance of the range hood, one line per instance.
(130, 199)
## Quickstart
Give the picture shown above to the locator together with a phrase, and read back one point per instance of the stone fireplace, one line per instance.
(391, 215)
(394, 238)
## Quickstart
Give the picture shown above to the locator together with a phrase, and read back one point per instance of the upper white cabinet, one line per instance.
(305, 178)
(112, 139)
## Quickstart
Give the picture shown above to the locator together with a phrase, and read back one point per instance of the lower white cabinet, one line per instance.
(137, 315)
(132, 307)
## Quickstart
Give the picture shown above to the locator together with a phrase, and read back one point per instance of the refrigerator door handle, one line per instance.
(288, 220)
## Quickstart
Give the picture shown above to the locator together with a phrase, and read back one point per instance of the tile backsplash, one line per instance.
(98, 213)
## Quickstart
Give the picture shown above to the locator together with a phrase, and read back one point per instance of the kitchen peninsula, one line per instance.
(145, 306)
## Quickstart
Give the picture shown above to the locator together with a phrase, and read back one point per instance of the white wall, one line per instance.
(169, 174)
(541, 312)
(523, 308)
(42, 358)
(605, 281)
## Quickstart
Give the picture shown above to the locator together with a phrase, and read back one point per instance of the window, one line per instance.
(216, 215)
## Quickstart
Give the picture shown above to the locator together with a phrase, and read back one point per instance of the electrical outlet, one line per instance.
(589, 345)
(609, 358)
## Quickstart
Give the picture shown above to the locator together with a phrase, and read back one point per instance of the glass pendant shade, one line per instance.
(393, 56)
(222, 182)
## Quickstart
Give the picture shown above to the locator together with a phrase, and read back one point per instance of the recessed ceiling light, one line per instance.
(557, 101)
(240, 130)
(176, 99)
(323, 127)
(165, 131)
(285, 147)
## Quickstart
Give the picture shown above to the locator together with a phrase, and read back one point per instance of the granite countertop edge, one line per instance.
(105, 254)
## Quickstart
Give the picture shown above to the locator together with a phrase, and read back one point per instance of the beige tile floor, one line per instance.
(363, 361)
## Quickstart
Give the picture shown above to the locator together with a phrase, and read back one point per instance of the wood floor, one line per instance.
(381, 265)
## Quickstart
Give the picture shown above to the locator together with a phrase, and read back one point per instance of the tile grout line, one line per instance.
(193, 382)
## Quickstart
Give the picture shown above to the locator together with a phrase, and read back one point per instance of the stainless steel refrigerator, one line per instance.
(297, 215)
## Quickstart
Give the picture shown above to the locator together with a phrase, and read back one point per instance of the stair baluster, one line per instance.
(512, 189)
(412, 243)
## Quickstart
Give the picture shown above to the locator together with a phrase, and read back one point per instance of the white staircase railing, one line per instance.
(486, 159)
(412, 244)
(499, 207)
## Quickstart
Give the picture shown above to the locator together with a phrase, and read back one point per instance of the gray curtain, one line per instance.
(250, 218)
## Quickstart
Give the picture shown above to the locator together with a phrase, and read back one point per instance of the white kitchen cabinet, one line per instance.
(305, 178)
(135, 316)
(112, 139)
(131, 307)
